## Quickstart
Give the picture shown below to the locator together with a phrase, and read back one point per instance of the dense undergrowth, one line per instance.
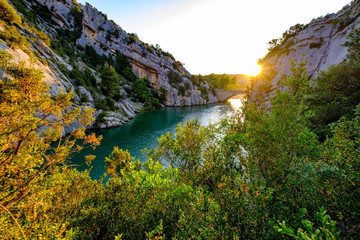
(234, 180)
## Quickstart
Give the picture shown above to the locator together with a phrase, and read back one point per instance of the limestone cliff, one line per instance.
(321, 41)
(147, 61)
(89, 27)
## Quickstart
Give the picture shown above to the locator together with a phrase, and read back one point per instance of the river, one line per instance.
(144, 131)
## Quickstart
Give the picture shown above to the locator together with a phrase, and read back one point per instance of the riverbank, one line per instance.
(143, 132)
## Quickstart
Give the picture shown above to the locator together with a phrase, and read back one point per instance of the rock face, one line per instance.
(106, 37)
(147, 61)
(321, 41)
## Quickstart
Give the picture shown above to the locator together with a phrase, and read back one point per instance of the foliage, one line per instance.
(13, 38)
(77, 15)
(141, 90)
(182, 90)
(93, 59)
(8, 13)
(41, 35)
(132, 38)
(106, 104)
(118, 163)
(174, 78)
(34, 181)
(123, 67)
(317, 44)
(274, 44)
(109, 79)
(353, 45)
(221, 81)
(162, 95)
(327, 229)
(183, 151)
(43, 12)
(336, 91)
(344, 20)
(84, 98)
(101, 118)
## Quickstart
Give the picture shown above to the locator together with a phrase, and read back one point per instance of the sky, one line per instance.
(214, 36)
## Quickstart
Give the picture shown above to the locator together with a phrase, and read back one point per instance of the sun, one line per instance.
(253, 71)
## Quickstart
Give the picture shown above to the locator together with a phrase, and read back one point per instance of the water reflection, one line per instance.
(236, 102)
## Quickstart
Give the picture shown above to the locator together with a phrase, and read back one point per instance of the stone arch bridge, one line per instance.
(224, 95)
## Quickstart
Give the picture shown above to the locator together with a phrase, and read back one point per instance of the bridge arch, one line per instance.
(224, 95)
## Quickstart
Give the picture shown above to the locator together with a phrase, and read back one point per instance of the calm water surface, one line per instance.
(144, 131)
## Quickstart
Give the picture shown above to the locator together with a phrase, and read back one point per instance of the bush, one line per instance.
(162, 95)
(106, 104)
(100, 118)
(40, 34)
(129, 74)
(317, 44)
(84, 98)
(77, 15)
(174, 78)
(109, 79)
(117, 96)
(327, 229)
(141, 90)
(77, 75)
(13, 38)
(43, 12)
(93, 59)
(182, 90)
(8, 13)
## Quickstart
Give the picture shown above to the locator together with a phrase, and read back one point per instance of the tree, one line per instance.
(31, 121)
(118, 162)
(141, 90)
(109, 78)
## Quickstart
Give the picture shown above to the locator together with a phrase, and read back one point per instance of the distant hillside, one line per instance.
(243, 80)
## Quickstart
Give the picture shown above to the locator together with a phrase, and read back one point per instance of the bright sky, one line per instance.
(213, 36)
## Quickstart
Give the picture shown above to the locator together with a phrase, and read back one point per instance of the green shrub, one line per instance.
(100, 118)
(182, 90)
(84, 98)
(162, 95)
(317, 44)
(327, 229)
(77, 75)
(117, 96)
(116, 34)
(174, 78)
(106, 104)
(129, 74)
(77, 15)
(63, 69)
(141, 90)
(109, 79)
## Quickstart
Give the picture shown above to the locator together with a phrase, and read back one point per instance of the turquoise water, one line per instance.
(144, 131)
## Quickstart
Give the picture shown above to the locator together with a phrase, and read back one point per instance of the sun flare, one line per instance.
(256, 70)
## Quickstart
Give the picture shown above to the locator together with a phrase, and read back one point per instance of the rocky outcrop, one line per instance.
(321, 41)
(106, 37)
(147, 61)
